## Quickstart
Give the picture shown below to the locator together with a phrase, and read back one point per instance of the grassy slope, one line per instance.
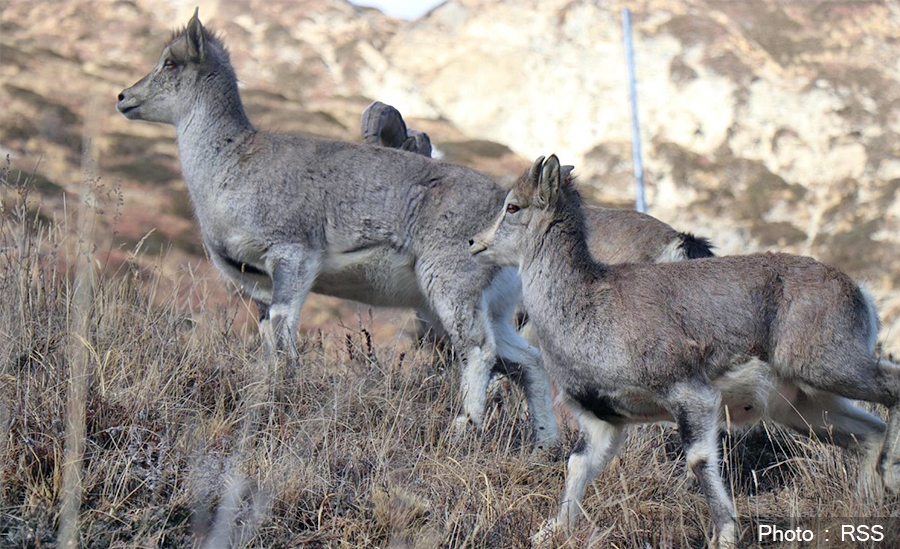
(191, 438)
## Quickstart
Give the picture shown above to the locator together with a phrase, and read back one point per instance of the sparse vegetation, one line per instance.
(190, 437)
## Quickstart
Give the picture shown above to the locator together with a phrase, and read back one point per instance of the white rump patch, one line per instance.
(672, 252)
(745, 391)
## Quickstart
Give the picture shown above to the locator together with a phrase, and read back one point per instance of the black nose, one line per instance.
(471, 242)
(121, 96)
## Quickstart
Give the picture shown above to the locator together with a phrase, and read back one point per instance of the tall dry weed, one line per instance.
(190, 438)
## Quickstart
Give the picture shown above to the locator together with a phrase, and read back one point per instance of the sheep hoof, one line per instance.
(727, 538)
(545, 535)
(690, 480)
(869, 484)
(545, 437)
(890, 475)
(462, 426)
(548, 452)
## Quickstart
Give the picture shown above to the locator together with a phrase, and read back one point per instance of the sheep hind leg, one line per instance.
(836, 420)
(501, 298)
(429, 331)
(877, 381)
(888, 380)
(598, 443)
(294, 269)
(463, 315)
(697, 410)
(534, 380)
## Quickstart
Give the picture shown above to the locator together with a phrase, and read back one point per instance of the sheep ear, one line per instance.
(548, 185)
(534, 174)
(195, 37)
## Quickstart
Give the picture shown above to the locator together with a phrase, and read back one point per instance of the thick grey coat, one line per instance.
(283, 215)
(627, 236)
(613, 235)
(768, 335)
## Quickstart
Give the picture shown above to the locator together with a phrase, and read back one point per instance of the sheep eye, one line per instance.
(512, 208)
(169, 65)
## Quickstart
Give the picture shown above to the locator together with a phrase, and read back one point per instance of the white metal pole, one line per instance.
(639, 203)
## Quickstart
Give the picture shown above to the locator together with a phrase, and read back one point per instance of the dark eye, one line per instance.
(512, 208)
(169, 65)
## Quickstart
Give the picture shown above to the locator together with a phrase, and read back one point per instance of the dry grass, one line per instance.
(190, 439)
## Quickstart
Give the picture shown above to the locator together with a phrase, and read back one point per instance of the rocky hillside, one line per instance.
(766, 125)
(62, 65)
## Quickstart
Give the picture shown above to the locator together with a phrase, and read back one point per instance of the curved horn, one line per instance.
(383, 125)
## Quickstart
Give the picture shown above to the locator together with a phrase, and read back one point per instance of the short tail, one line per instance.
(695, 247)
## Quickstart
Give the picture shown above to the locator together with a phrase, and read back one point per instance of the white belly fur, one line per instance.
(376, 276)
